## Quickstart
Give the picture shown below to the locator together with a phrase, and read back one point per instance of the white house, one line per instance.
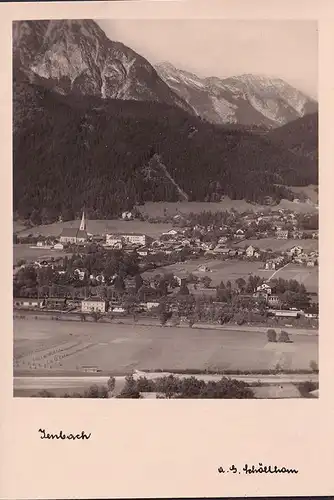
(112, 240)
(143, 252)
(171, 232)
(151, 305)
(295, 251)
(264, 288)
(127, 216)
(128, 238)
(270, 264)
(58, 246)
(239, 233)
(93, 304)
(250, 251)
(203, 268)
(79, 273)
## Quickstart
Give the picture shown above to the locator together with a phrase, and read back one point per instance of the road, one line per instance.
(277, 271)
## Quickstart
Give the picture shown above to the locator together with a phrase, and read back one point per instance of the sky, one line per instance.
(224, 48)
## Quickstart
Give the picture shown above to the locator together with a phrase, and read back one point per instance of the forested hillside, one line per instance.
(299, 136)
(71, 152)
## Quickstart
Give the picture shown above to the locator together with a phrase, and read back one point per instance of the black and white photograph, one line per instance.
(165, 208)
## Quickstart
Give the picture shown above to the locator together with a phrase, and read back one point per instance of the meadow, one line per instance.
(220, 270)
(98, 227)
(31, 254)
(46, 347)
(158, 209)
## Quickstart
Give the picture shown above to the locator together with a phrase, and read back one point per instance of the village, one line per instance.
(227, 267)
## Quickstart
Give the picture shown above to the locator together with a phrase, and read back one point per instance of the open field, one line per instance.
(100, 227)
(309, 191)
(156, 209)
(279, 245)
(220, 270)
(309, 276)
(45, 346)
(32, 254)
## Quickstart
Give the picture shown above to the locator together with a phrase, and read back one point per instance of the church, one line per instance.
(74, 235)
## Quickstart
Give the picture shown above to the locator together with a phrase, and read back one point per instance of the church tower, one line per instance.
(83, 222)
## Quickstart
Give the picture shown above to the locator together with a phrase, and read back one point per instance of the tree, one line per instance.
(111, 384)
(162, 287)
(130, 389)
(184, 290)
(271, 335)
(139, 281)
(206, 280)
(284, 337)
(314, 366)
(96, 315)
(96, 392)
(241, 283)
(164, 317)
(119, 284)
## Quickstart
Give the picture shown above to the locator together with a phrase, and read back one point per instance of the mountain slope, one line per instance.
(249, 100)
(75, 56)
(299, 136)
(73, 151)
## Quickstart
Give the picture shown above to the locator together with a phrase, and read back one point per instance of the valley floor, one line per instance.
(69, 349)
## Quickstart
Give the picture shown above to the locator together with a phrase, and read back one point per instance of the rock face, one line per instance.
(75, 56)
(249, 100)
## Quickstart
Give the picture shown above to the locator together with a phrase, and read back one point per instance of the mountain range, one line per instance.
(251, 100)
(96, 124)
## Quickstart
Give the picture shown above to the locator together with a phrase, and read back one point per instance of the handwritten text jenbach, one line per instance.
(257, 469)
(62, 435)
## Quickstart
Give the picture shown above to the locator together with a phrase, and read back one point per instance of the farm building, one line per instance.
(239, 234)
(282, 234)
(274, 301)
(265, 288)
(28, 303)
(286, 314)
(58, 246)
(93, 304)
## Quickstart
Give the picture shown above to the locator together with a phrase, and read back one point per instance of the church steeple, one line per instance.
(83, 222)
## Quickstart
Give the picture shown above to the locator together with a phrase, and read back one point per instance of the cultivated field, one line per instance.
(279, 245)
(156, 209)
(48, 346)
(100, 227)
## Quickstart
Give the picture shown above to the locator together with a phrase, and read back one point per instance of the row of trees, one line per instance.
(168, 387)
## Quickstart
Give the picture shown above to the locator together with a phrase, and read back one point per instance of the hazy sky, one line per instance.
(284, 49)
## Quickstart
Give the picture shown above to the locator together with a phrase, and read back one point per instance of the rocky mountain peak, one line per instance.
(75, 56)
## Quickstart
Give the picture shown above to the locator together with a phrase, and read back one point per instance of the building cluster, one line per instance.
(224, 241)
